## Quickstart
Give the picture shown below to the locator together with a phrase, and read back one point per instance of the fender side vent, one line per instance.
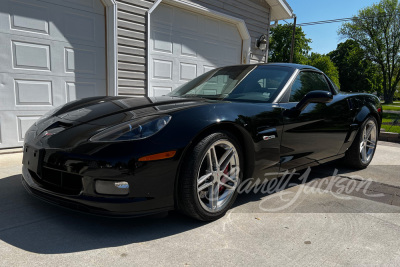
(350, 103)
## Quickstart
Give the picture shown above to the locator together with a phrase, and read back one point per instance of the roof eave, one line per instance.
(280, 9)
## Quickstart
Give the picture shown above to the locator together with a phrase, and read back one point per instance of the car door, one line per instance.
(265, 122)
(319, 131)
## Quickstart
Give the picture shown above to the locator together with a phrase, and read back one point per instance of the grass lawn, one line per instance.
(389, 128)
(389, 118)
(393, 106)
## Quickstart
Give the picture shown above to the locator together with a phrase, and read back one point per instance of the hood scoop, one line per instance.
(59, 124)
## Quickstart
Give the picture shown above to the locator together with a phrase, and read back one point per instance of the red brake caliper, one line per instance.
(222, 188)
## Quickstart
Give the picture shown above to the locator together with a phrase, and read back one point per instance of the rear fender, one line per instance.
(365, 112)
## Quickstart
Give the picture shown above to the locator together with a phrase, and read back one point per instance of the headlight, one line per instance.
(132, 130)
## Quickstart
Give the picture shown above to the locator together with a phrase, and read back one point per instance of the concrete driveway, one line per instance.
(352, 218)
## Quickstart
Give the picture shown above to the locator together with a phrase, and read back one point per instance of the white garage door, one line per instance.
(51, 52)
(184, 45)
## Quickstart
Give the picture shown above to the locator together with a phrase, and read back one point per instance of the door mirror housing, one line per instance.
(314, 97)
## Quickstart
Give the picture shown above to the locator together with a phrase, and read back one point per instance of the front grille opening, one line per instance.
(58, 181)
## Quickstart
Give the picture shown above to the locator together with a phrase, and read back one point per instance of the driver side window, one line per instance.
(306, 82)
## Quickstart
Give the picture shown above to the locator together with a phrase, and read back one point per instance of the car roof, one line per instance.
(291, 65)
(288, 65)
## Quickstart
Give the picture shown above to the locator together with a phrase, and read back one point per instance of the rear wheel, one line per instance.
(210, 177)
(362, 151)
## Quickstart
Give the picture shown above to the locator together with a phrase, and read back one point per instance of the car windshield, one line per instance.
(237, 83)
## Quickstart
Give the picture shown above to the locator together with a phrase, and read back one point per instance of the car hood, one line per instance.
(111, 110)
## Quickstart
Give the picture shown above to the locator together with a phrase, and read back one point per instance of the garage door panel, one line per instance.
(187, 71)
(188, 46)
(14, 125)
(28, 56)
(21, 91)
(162, 41)
(31, 92)
(81, 61)
(162, 69)
(82, 28)
(77, 60)
(6, 95)
(39, 93)
(81, 88)
(21, 54)
(29, 16)
(161, 90)
(85, 61)
(23, 124)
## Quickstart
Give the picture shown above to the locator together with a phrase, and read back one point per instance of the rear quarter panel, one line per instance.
(361, 107)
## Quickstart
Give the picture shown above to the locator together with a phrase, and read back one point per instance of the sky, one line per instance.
(324, 37)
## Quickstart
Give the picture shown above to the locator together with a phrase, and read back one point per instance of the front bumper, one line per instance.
(151, 184)
(97, 206)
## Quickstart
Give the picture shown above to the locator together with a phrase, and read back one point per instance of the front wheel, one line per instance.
(362, 151)
(210, 177)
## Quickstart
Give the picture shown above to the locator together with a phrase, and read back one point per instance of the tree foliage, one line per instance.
(280, 44)
(325, 64)
(356, 72)
(377, 30)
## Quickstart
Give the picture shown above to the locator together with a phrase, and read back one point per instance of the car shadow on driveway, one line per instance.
(39, 227)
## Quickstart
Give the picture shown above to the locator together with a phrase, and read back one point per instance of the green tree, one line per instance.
(325, 64)
(377, 31)
(280, 44)
(356, 72)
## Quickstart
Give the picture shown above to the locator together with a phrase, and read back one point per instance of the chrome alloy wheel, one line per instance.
(368, 142)
(218, 176)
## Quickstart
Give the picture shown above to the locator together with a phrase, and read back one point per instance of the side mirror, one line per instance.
(314, 97)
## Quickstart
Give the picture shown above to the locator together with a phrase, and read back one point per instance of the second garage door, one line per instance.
(184, 45)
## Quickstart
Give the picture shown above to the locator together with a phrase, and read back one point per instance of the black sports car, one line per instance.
(190, 150)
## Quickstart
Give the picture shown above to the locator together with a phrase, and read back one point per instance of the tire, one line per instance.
(362, 151)
(204, 190)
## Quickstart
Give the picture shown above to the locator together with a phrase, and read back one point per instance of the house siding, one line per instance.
(132, 36)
